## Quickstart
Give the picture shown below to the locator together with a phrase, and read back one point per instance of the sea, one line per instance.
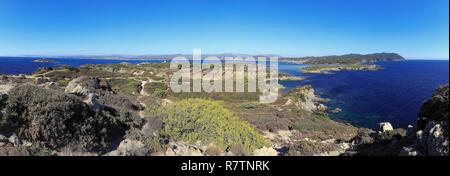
(393, 94)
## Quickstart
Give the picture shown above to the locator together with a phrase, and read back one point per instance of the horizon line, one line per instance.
(130, 56)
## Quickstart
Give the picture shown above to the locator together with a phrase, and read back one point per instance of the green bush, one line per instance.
(126, 86)
(119, 101)
(156, 89)
(252, 105)
(3, 98)
(209, 122)
(55, 119)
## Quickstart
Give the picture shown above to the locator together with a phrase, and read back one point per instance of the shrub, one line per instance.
(209, 122)
(252, 105)
(55, 119)
(3, 98)
(119, 101)
(156, 89)
(308, 148)
(126, 86)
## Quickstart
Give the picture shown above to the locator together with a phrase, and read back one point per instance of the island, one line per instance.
(328, 69)
(352, 62)
(346, 59)
(44, 60)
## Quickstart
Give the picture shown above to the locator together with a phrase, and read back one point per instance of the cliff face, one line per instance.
(431, 137)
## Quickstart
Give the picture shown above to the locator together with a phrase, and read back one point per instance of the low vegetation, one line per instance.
(209, 122)
(156, 89)
(126, 86)
(56, 120)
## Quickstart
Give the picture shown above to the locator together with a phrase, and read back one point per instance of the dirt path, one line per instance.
(142, 95)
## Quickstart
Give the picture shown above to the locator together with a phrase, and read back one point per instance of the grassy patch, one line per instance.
(156, 89)
(125, 86)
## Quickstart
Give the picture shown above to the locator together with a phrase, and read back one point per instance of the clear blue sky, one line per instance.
(413, 28)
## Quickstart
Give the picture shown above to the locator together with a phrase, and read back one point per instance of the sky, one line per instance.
(416, 29)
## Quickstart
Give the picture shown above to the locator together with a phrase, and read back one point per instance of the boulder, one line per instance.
(130, 148)
(337, 110)
(265, 151)
(3, 139)
(170, 152)
(409, 151)
(83, 85)
(40, 80)
(13, 139)
(51, 85)
(183, 149)
(92, 100)
(321, 107)
(385, 126)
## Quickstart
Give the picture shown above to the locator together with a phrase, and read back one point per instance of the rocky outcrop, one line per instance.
(92, 100)
(13, 146)
(428, 138)
(130, 148)
(83, 85)
(4, 88)
(40, 80)
(305, 98)
(183, 149)
(385, 127)
(432, 136)
(265, 151)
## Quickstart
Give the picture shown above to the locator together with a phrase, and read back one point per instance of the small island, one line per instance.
(43, 60)
(288, 77)
(328, 69)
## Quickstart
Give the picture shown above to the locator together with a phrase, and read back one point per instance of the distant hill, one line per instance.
(347, 59)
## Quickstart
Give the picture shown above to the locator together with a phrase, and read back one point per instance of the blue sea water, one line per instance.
(393, 94)
(25, 65)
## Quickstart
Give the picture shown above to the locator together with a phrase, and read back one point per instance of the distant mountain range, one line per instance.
(147, 57)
